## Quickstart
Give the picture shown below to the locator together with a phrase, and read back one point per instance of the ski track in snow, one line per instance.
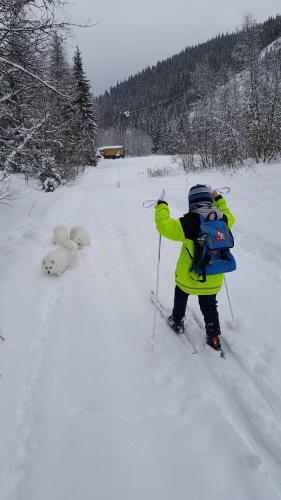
(92, 411)
(249, 405)
(230, 376)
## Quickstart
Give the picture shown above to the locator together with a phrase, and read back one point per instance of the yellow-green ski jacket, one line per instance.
(185, 230)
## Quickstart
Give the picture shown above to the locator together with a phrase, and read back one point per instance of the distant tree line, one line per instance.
(216, 103)
(47, 118)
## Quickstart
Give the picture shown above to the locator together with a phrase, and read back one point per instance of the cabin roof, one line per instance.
(110, 147)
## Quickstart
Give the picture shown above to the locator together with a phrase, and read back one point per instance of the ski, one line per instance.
(201, 326)
(165, 313)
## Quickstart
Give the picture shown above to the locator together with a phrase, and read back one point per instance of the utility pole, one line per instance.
(122, 118)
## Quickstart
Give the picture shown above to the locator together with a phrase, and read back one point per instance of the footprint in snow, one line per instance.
(174, 408)
(161, 378)
(253, 460)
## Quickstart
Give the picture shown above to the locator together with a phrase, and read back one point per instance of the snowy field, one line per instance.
(88, 410)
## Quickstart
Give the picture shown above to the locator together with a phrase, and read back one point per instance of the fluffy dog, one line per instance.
(60, 235)
(57, 261)
(80, 236)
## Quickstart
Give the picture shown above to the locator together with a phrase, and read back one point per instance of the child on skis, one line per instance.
(202, 202)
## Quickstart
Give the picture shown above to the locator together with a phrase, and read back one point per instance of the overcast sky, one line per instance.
(133, 34)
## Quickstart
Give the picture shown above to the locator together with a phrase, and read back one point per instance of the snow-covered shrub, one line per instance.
(159, 172)
(189, 162)
(49, 184)
(7, 192)
(50, 174)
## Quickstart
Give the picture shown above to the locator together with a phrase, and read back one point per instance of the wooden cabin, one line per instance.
(112, 152)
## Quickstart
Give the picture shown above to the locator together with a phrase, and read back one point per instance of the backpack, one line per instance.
(211, 253)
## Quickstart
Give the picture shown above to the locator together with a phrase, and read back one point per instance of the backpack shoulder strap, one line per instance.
(190, 224)
(212, 216)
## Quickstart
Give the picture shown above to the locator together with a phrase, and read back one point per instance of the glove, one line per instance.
(216, 195)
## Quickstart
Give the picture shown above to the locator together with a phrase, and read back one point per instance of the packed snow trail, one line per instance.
(88, 410)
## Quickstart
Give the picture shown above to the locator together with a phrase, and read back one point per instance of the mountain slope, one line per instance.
(169, 84)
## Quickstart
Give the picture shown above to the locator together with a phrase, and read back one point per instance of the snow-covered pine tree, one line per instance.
(271, 104)
(249, 51)
(83, 122)
(50, 173)
(182, 139)
(155, 128)
(59, 137)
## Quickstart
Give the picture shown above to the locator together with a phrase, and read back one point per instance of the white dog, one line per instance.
(60, 235)
(80, 236)
(57, 261)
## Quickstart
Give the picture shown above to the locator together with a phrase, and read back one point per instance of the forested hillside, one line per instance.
(163, 100)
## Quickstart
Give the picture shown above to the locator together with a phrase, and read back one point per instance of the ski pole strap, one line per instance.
(152, 203)
(223, 190)
(149, 203)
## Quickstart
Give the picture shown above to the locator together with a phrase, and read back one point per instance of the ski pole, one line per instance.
(157, 282)
(228, 296)
(156, 292)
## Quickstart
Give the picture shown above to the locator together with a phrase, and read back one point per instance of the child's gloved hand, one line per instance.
(215, 194)
(161, 201)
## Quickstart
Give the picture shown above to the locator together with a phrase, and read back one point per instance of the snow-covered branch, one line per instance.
(7, 192)
(45, 26)
(35, 77)
(30, 134)
(11, 95)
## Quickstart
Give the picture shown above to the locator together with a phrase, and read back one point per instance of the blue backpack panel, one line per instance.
(212, 248)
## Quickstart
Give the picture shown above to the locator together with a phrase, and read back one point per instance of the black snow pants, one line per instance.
(208, 306)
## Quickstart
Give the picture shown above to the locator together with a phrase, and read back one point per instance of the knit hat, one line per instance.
(200, 193)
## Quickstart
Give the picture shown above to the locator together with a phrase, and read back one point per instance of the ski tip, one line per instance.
(218, 353)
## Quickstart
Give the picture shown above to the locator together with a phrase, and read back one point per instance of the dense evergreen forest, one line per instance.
(218, 101)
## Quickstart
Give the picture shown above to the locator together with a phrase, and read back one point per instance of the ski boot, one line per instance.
(177, 326)
(214, 342)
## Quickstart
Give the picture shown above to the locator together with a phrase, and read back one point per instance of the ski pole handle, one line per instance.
(162, 197)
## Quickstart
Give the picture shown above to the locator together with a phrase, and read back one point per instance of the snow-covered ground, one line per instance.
(88, 410)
